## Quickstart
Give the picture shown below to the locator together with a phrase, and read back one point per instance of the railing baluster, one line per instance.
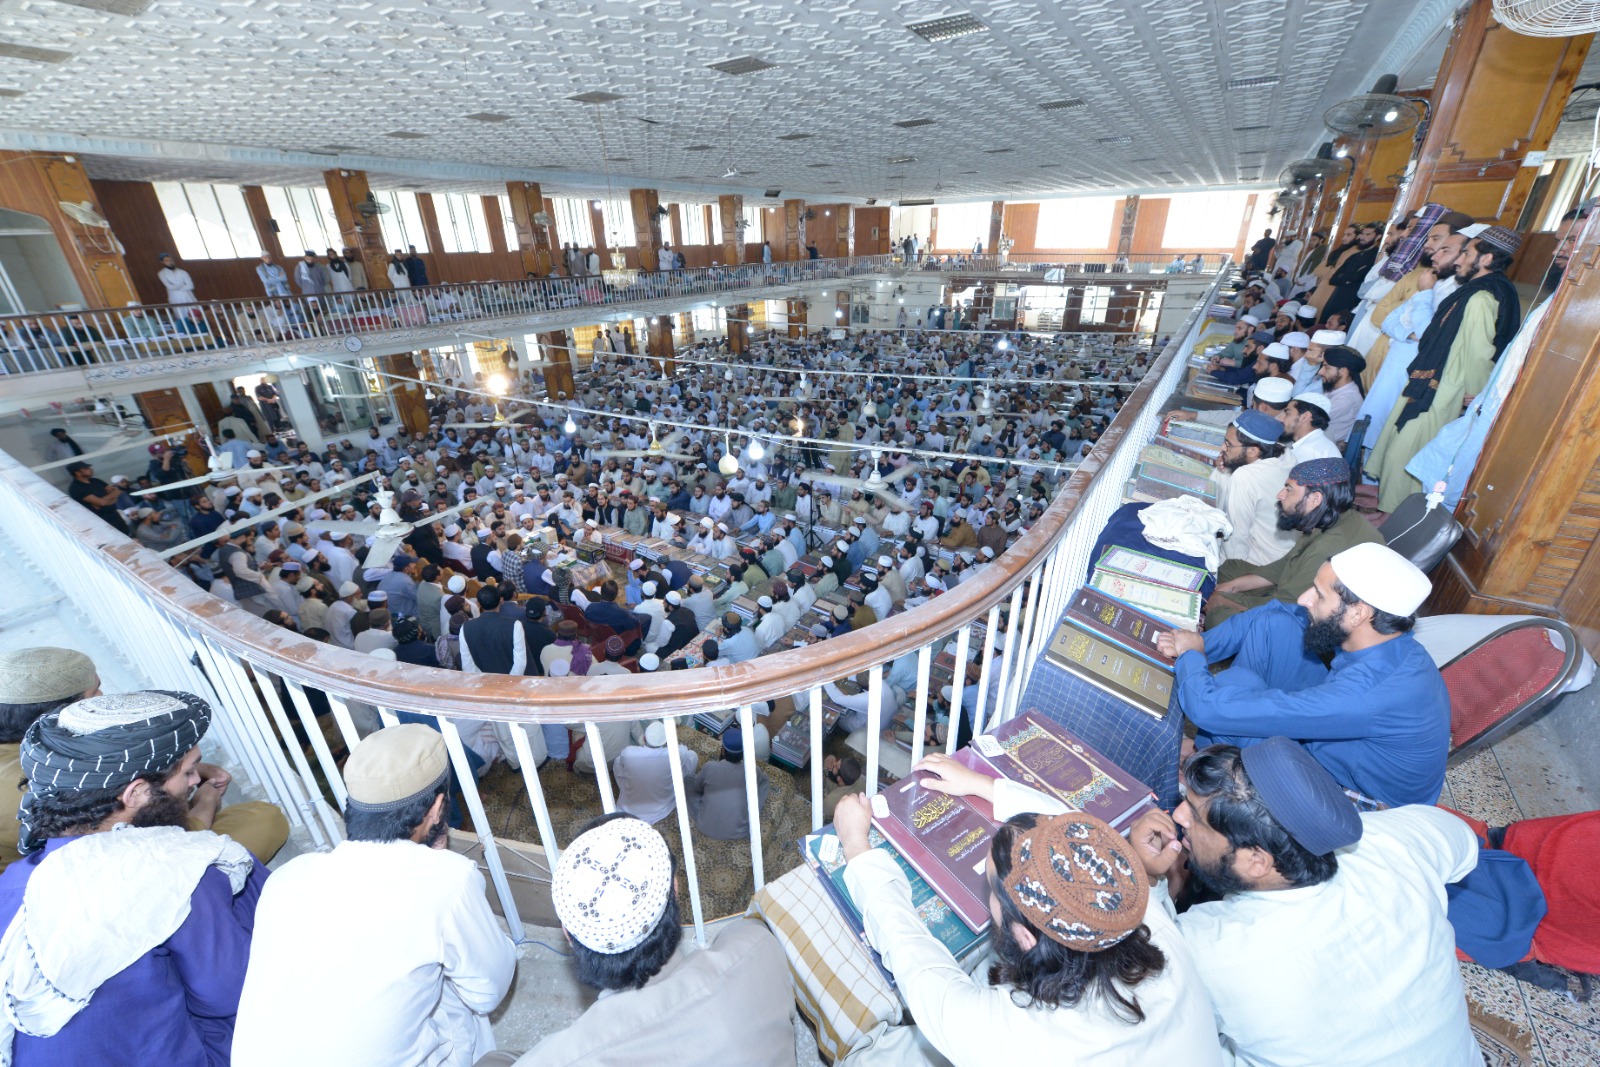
(815, 725)
(752, 793)
(919, 722)
(957, 687)
(319, 743)
(530, 780)
(685, 830)
(480, 824)
(602, 770)
(874, 726)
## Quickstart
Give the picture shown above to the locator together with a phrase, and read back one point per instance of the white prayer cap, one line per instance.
(1249, 320)
(1328, 337)
(764, 601)
(722, 526)
(613, 882)
(1278, 350)
(791, 517)
(648, 589)
(1382, 577)
(673, 520)
(1316, 400)
(636, 564)
(674, 598)
(1296, 339)
(457, 584)
(560, 668)
(1307, 312)
(384, 653)
(232, 490)
(885, 561)
(452, 530)
(1292, 308)
(1476, 229)
(254, 453)
(1274, 390)
(649, 662)
(987, 552)
(947, 692)
(348, 589)
(707, 522)
(826, 561)
(502, 485)
(587, 522)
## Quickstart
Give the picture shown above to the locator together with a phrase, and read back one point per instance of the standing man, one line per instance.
(417, 971)
(180, 286)
(311, 276)
(1352, 271)
(1342, 367)
(1260, 251)
(97, 496)
(61, 446)
(274, 282)
(416, 269)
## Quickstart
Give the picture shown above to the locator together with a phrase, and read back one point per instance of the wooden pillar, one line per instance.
(347, 189)
(794, 231)
(797, 318)
(646, 204)
(738, 320)
(659, 344)
(597, 219)
(1498, 97)
(997, 226)
(556, 348)
(410, 398)
(533, 238)
(731, 211)
(1130, 219)
(1531, 509)
(38, 183)
(675, 218)
(165, 410)
(844, 231)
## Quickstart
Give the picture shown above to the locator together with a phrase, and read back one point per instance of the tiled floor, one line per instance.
(1530, 775)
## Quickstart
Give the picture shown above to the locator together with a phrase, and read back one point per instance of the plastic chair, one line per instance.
(1506, 678)
(1352, 447)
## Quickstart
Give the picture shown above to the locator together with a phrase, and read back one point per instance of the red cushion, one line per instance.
(1497, 678)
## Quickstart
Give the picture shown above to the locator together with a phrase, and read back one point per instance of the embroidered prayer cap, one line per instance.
(377, 596)
(674, 598)
(1383, 578)
(1258, 428)
(826, 561)
(1328, 338)
(885, 561)
(1506, 240)
(42, 674)
(648, 589)
(1314, 400)
(1078, 881)
(614, 647)
(1316, 473)
(1301, 795)
(1346, 357)
(1290, 308)
(612, 884)
(396, 766)
(1274, 390)
(561, 668)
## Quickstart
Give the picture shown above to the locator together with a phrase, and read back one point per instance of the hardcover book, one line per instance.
(1203, 453)
(824, 856)
(1166, 457)
(945, 838)
(1198, 484)
(1114, 670)
(1176, 606)
(1134, 564)
(1117, 622)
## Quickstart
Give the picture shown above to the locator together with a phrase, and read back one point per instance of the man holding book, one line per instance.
(1315, 503)
(1082, 962)
(1378, 718)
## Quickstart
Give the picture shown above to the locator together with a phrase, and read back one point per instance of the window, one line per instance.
(1096, 303)
(208, 221)
(753, 224)
(1204, 220)
(692, 223)
(618, 215)
(304, 217)
(402, 223)
(509, 223)
(1085, 223)
(462, 225)
(716, 225)
(574, 223)
(961, 226)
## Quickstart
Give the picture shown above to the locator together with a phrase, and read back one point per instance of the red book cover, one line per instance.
(945, 838)
(1039, 753)
(1120, 624)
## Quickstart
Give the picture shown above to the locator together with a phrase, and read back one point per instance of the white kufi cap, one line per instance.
(1382, 577)
(612, 885)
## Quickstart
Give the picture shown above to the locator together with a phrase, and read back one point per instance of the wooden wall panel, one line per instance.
(1022, 225)
(872, 231)
(1151, 224)
(136, 218)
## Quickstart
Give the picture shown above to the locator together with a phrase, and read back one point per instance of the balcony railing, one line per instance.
(259, 674)
(64, 340)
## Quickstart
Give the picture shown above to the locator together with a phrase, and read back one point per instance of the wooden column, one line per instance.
(348, 188)
(556, 348)
(738, 321)
(797, 318)
(997, 226)
(659, 344)
(1497, 98)
(1130, 219)
(794, 231)
(37, 183)
(731, 210)
(1532, 507)
(597, 218)
(165, 410)
(533, 239)
(646, 226)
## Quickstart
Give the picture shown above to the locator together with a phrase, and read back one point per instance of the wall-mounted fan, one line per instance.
(370, 207)
(1380, 113)
(83, 213)
(1548, 18)
(1315, 168)
(542, 218)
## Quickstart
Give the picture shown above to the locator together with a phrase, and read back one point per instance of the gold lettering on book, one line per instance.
(964, 842)
(1049, 753)
(930, 812)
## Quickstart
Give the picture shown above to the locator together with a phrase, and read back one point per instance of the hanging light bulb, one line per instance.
(727, 375)
(757, 451)
(569, 427)
(986, 405)
(1001, 345)
(729, 463)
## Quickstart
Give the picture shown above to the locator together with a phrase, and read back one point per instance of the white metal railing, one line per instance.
(260, 675)
(62, 340)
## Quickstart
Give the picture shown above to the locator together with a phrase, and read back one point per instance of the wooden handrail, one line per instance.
(608, 697)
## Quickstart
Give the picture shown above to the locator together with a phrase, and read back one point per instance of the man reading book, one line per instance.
(1081, 961)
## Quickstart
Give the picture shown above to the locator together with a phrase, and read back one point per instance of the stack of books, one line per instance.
(714, 722)
(1162, 587)
(791, 745)
(941, 841)
(1152, 482)
(1206, 388)
(1111, 645)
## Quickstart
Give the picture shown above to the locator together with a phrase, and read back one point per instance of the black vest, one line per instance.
(490, 639)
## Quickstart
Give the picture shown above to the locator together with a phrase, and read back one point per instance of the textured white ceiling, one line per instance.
(299, 75)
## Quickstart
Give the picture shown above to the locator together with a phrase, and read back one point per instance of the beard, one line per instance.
(1324, 637)
(1229, 464)
(1443, 273)
(1218, 878)
(1553, 276)
(1290, 521)
(436, 833)
(163, 809)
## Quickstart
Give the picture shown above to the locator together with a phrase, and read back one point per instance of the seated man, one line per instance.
(418, 971)
(844, 777)
(644, 775)
(1254, 467)
(1086, 963)
(126, 946)
(661, 1001)
(1378, 720)
(1315, 503)
(717, 802)
(1304, 880)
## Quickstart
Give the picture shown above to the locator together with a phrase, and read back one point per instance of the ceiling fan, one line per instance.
(875, 484)
(1548, 18)
(388, 533)
(657, 449)
(220, 469)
